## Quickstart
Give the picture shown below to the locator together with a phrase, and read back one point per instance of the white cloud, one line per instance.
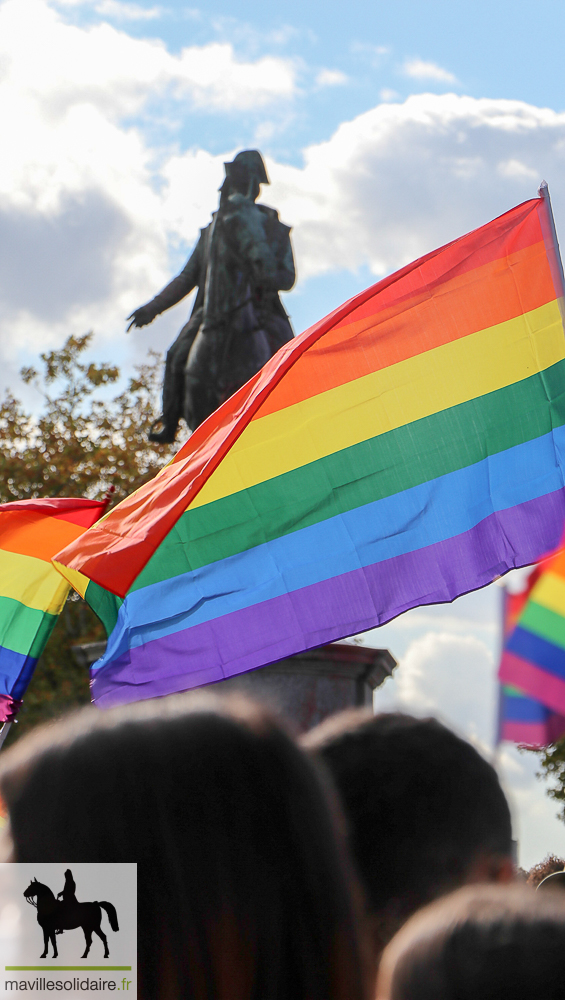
(58, 65)
(515, 169)
(89, 232)
(452, 675)
(386, 187)
(118, 10)
(330, 78)
(405, 178)
(95, 212)
(417, 69)
(127, 11)
(386, 94)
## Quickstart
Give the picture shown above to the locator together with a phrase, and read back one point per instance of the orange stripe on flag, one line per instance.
(454, 310)
(31, 534)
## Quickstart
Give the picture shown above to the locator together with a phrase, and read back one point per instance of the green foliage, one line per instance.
(82, 443)
(552, 762)
(548, 866)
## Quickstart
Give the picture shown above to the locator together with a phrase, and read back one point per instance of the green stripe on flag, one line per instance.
(104, 604)
(546, 624)
(24, 630)
(400, 459)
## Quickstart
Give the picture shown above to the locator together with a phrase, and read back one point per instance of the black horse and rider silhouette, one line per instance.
(54, 917)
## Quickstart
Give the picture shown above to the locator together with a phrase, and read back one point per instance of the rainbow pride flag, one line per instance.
(527, 721)
(32, 592)
(522, 719)
(408, 448)
(533, 660)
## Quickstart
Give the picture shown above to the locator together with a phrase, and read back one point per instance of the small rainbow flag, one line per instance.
(533, 660)
(404, 450)
(32, 592)
(527, 721)
(521, 719)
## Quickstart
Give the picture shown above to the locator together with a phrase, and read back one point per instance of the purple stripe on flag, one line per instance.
(554, 727)
(534, 681)
(8, 707)
(329, 610)
(531, 734)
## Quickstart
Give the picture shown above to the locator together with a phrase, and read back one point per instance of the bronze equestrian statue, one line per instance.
(241, 261)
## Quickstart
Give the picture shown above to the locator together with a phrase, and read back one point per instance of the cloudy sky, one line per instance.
(388, 129)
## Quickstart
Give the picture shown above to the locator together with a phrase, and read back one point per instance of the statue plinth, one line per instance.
(311, 685)
(306, 687)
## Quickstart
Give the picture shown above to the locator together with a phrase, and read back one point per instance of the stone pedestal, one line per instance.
(309, 686)
(306, 687)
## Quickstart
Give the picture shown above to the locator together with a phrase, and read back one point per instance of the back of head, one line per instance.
(424, 808)
(480, 943)
(242, 884)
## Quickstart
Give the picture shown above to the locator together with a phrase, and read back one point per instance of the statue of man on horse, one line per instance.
(54, 917)
(240, 263)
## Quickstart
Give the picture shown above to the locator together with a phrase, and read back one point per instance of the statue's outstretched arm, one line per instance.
(172, 293)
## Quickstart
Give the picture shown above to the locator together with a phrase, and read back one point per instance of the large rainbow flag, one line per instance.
(406, 449)
(533, 660)
(521, 718)
(32, 592)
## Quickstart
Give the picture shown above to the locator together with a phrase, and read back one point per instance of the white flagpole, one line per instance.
(4, 732)
(543, 192)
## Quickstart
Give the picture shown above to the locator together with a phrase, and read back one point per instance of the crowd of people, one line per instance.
(371, 858)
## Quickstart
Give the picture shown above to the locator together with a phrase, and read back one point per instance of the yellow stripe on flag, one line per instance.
(392, 397)
(33, 582)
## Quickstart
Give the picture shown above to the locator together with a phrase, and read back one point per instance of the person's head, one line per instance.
(243, 884)
(480, 943)
(245, 174)
(426, 812)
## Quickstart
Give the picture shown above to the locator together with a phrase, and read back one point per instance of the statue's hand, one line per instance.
(141, 317)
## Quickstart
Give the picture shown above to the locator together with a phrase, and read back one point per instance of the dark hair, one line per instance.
(422, 805)
(244, 888)
(481, 943)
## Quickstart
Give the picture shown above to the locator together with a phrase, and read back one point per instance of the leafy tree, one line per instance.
(548, 866)
(552, 761)
(83, 442)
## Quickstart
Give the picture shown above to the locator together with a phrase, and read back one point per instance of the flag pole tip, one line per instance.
(543, 189)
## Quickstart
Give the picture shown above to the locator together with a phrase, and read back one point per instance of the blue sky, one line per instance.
(482, 49)
(388, 129)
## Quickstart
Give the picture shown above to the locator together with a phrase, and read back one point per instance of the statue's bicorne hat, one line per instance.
(247, 164)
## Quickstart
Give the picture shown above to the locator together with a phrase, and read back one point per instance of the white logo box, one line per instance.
(23, 970)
